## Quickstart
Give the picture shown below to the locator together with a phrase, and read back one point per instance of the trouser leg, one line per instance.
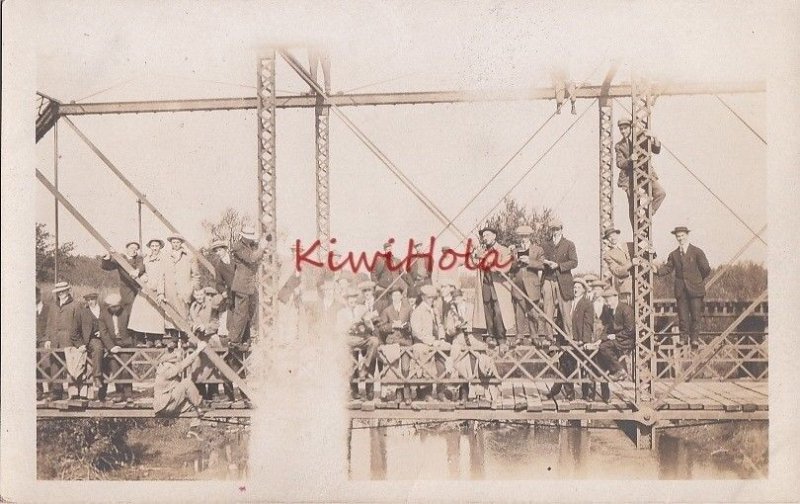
(608, 357)
(241, 317)
(695, 313)
(95, 350)
(549, 301)
(684, 316)
(565, 307)
(568, 367)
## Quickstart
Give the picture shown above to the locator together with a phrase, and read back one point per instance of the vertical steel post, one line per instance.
(55, 178)
(267, 273)
(322, 121)
(645, 362)
(139, 204)
(606, 179)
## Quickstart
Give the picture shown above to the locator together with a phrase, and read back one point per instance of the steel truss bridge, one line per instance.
(726, 378)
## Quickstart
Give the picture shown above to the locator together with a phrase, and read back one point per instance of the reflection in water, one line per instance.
(388, 449)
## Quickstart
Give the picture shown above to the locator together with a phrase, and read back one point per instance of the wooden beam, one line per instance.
(411, 98)
(164, 308)
(140, 196)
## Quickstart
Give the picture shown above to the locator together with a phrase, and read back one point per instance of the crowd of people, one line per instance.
(418, 318)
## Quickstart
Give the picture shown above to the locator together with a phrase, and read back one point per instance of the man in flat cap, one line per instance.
(619, 262)
(382, 274)
(115, 336)
(619, 338)
(247, 253)
(494, 307)
(624, 156)
(224, 268)
(90, 330)
(529, 262)
(395, 330)
(418, 274)
(691, 268)
(560, 258)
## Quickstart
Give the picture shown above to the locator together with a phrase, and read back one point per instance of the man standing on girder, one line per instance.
(247, 253)
(626, 180)
(691, 270)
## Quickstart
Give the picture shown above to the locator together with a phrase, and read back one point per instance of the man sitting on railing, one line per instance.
(204, 319)
(358, 326)
(620, 335)
(113, 328)
(467, 352)
(427, 334)
(396, 333)
(173, 393)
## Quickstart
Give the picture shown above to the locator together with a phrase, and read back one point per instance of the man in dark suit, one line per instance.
(691, 270)
(128, 288)
(41, 336)
(224, 268)
(247, 253)
(560, 258)
(619, 338)
(582, 325)
(624, 152)
(527, 265)
(114, 335)
(382, 274)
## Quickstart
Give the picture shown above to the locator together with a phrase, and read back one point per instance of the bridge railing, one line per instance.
(133, 365)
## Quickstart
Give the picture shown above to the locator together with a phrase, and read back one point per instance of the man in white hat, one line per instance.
(624, 156)
(528, 263)
(247, 253)
(427, 332)
(181, 273)
(64, 333)
(145, 319)
(557, 282)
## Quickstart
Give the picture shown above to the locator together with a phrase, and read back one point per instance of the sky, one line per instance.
(194, 165)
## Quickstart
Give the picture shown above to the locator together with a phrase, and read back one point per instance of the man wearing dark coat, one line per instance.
(41, 335)
(247, 253)
(582, 326)
(560, 258)
(691, 270)
(620, 335)
(114, 335)
(624, 152)
(63, 328)
(128, 288)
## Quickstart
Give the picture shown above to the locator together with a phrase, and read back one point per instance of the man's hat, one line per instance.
(132, 243)
(609, 232)
(366, 285)
(556, 224)
(582, 282)
(248, 232)
(624, 122)
(590, 277)
(90, 295)
(680, 229)
(211, 291)
(113, 299)
(447, 282)
(597, 283)
(609, 293)
(61, 287)
(419, 243)
(428, 290)
(387, 245)
(218, 244)
(446, 248)
(351, 292)
(487, 228)
(397, 287)
(175, 236)
(159, 240)
(524, 231)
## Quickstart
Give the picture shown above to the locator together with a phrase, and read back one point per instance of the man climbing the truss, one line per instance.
(174, 393)
(626, 180)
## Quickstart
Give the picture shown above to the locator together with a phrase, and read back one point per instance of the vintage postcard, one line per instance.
(490, 251)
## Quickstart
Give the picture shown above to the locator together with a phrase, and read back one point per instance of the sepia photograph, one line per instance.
(439, 247)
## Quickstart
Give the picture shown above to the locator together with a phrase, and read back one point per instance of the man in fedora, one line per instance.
(247, 253)
(624, 156)
(128, 287)
(529, 262)
(560, 258)
(494, 307)
(619, 262)
(691, 270)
